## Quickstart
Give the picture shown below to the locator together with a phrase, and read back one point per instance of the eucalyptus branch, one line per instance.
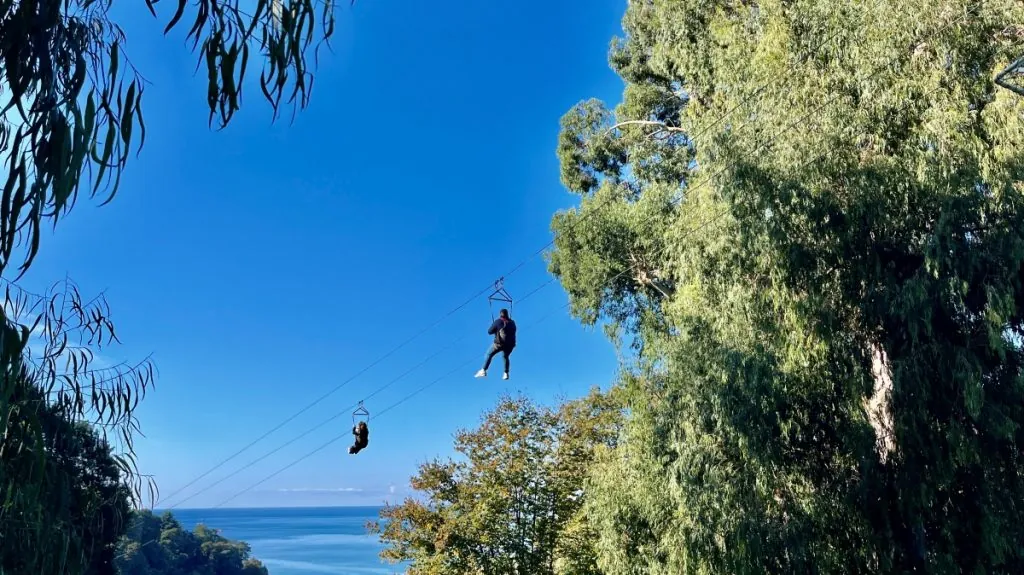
(70, 328)
(662, 126)
(74, 98)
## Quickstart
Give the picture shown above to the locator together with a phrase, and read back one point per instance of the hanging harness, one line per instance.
(360, 411)
(499, 294)
(1015, 71)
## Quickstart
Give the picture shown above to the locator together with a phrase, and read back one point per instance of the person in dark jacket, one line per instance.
(362, 433)
(504, 331)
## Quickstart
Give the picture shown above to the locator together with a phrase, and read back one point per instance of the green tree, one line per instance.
(81, 510)
(161, 546)
(512, 505)
(808, 218)
(70, 112)
(58, 473)
(583, 429)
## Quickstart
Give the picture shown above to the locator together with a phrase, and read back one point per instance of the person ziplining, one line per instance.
(362, 438)
(360, 429)
(504, 331)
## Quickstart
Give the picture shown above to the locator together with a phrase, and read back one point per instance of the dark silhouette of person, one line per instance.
(362, 433)
(504, 331)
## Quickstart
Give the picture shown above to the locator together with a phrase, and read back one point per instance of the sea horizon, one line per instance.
(265, 507)
(321, 540)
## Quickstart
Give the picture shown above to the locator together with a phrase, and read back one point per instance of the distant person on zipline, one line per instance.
(362, 436)
(504, 331)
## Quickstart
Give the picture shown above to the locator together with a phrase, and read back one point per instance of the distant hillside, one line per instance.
(159, 545)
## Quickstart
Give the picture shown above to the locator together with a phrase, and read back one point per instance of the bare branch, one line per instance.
(662, 126)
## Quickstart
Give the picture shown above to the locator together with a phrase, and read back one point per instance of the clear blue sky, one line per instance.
(264, 264)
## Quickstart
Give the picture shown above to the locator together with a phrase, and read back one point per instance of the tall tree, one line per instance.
(809, 218)
(512, 504)
(70, 113)
(74, 507)
(64, 490)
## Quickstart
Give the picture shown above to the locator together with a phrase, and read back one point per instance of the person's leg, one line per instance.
(491, 355)
(507, 352)
(493, 351)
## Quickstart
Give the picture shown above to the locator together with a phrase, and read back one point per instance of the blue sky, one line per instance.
(265, 264)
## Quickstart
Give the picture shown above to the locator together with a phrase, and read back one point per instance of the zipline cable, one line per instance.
(512, 271)
(326, 395)
(379, 414)
(345, 412)
(704, 224)
(340, 414)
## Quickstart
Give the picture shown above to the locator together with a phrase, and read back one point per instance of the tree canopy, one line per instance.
(512, 502)
(808, 219)
(159, 545)
(67, 503)
(66, 447)
(70, 115)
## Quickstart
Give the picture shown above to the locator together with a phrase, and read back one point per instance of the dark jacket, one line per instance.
(510, 332)
(362, 439)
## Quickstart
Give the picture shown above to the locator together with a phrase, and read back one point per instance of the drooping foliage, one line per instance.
(70, 114)
(75, 502)
(65, 488)
(71, 100)
(161, 546)
(512, 503)
(810, 217)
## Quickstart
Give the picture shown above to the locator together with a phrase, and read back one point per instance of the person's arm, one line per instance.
(494, 327)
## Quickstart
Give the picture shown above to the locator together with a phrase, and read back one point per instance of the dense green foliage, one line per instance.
(66, 491)
(808, 218)
(80, 503)
(71, 113)
(160, 546)
(511, 503)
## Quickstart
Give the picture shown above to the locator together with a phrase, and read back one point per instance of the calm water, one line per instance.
(308, 541)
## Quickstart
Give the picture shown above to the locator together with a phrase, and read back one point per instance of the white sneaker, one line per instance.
(481, 373)
(504, 376)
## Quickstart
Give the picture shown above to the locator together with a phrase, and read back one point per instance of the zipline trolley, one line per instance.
(499, 295)
(360, 414)
(1014, 71)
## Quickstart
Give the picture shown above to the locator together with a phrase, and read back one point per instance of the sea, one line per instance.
(302, 541)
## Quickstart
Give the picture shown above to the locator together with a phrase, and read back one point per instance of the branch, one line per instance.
(64, 378)
(664, 127)
(644, 275)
